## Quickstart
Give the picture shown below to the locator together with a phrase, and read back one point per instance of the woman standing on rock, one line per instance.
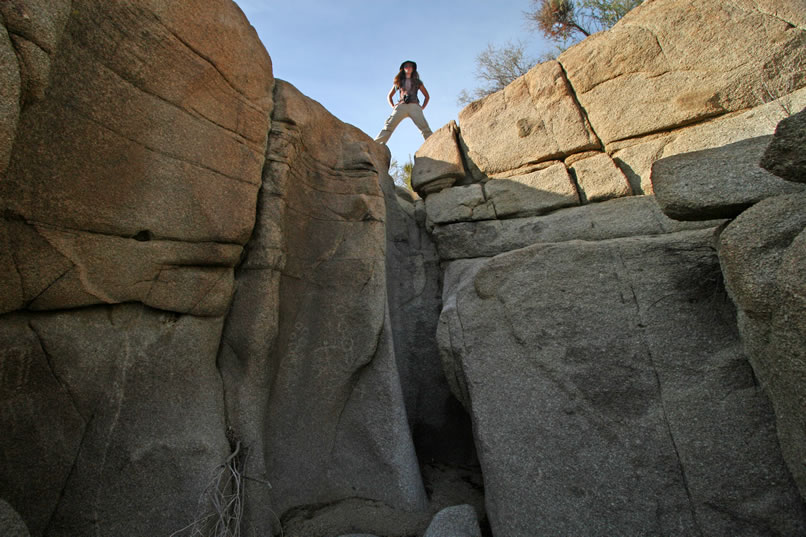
(408, 83)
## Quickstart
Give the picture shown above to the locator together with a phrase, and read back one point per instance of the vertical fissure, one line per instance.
(581, 108)
(661, 398)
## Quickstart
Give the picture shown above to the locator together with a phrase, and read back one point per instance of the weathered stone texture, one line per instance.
(39, 21)
(656, 69)
(635, 156)
(60, 269)
(653, 86)
(624, 217)
(105, 189)
(716, 183)
(142, 112)
(608, 392)
(313, 378)
(195, 257)
(538, 192)
(137, 157)
(30, 31)
(106, 417)
(459, 204)
(9, 97)
(763, 254)
(536, 118)
(789, 353)
(599, 179)
(438, 163)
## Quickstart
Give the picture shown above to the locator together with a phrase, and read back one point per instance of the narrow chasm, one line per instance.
(440, 426)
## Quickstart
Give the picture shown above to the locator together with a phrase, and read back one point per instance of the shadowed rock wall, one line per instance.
(589, 334)
(308, 355)
(130, 172)
(140, 172)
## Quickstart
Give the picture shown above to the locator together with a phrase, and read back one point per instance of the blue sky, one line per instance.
(345, 54)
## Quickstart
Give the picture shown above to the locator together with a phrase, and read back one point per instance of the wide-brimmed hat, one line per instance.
(408, 61)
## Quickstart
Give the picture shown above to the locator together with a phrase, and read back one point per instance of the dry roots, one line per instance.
(221, 503)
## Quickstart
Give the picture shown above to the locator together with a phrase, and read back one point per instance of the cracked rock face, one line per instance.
(761, 258)
(656, 84)
(28, 40)
(106, 189)
(536, 118)
(440, 427)
(128, 201)
(657, 69)
(438, 163)
(312, 379)
(622, 217)
(609, 392)
(138, 145)
(109, 407)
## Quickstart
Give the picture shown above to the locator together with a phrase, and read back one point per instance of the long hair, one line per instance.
(400, 78)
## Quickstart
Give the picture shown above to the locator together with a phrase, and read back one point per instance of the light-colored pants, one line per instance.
(401, 112)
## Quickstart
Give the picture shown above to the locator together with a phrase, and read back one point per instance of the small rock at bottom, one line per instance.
(456, 521)
(11, 525)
